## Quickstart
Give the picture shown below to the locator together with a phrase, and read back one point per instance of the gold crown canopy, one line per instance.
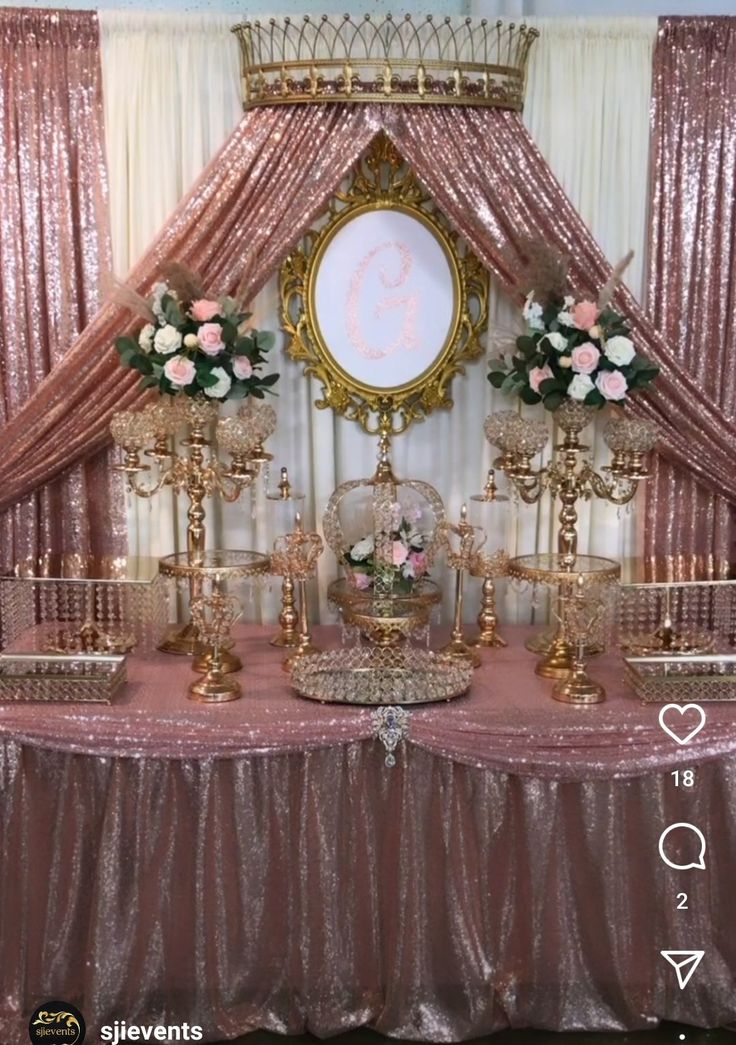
(450, 61)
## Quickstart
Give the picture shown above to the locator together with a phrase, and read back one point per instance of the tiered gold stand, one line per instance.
(216, 567)
(555, 570)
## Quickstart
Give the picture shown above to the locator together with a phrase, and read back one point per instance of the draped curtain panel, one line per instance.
(692, 274)
(54, 245)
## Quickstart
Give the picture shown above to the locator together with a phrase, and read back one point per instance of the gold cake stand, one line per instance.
(385, 619)
(218, 567)
(563, 572)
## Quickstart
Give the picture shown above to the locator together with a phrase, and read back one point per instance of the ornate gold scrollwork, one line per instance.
(382, 180)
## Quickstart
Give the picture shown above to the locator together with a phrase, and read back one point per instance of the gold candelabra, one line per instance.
(295, 555)
(570, 475)
(199, 474)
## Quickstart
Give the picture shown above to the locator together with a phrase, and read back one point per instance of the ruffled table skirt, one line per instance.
(316, 889)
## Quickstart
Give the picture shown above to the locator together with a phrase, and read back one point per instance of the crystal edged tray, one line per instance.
(380, 676)
(56, 678)
(673, 679)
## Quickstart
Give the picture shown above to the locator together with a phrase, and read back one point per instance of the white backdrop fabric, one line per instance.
(171, 97)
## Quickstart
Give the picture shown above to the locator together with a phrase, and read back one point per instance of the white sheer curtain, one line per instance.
(172, 95)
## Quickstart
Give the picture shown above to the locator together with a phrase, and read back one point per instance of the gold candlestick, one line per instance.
(213, 616)
(288, 636)
(461, 541)
(295, 555)
(584, 613)
(488, 567)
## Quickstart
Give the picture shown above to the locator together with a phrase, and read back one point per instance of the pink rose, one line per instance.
(400, 553)
(203, 310)
(612, 384)
(210, 340)
(361, 581)
(180, 371)
(537, 374)
(242, 367)
(419, 562)
(585, 314)
(585, 358)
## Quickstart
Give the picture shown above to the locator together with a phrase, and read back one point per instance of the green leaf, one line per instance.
(497, 378)
(510, 384)
(269, 379)
(244, 346)
(239, 390)
(171, 310)
(229, 332)
(551, 384)
(528, 395)
(142, 363)
(126, 345)
(265, 339)
(554, 400)
(527, 346)
(594, 398)
(149, 382)
(257, 393)
(206, 379)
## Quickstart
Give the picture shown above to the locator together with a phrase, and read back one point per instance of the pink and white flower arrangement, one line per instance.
(408, 554)
(196, 345)
(572, 349)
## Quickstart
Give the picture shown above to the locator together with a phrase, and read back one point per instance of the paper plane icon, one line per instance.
(684, 963)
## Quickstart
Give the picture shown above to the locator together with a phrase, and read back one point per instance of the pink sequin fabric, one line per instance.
(257, 865)
(54, 246)
(260, 193)
(692, 273)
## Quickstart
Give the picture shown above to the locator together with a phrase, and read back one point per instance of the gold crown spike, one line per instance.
(329, 59)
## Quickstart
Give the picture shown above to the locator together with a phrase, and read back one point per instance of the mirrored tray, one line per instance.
(673, 679)
(54, 678)
(379, 676)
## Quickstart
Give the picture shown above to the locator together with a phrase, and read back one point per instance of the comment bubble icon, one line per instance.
(681, 842)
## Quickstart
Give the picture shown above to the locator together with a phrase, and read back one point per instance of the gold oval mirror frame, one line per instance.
(428, 306)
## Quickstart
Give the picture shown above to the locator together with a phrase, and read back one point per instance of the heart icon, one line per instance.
(681, 709)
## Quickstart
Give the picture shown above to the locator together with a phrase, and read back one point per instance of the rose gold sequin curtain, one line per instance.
(255, 199)
(54, 243)
(249, 207)
(692, 273)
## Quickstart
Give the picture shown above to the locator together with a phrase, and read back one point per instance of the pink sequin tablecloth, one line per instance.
(257, 865)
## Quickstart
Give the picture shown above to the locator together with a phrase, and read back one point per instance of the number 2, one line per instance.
(682, 905)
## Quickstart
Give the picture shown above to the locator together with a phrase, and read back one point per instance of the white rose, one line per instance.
(568, 300)
(558, 341)
(223, 385)
(579, 387)
(190, 341)
(159, 289)
(167, 340)
(565, 318)
(362, 549)
(620, 350)
(145, 338)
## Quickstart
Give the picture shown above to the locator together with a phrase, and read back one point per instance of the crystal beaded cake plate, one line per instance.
(683, 679)
(380, 677)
